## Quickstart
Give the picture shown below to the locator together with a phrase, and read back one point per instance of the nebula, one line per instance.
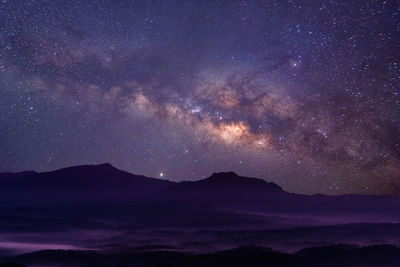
(304, 94)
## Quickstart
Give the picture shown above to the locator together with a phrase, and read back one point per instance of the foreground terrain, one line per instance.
(102, 216)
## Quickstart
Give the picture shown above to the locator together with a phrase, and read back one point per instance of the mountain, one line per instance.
(230, 192)
(86, 184)
(102, 206)
(104, 184)
(225, 188)
(100, 183)
(232, 181)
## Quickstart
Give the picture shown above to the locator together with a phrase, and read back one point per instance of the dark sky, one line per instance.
(302, 93)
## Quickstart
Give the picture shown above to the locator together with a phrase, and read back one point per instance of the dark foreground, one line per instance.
(102, 216)
(341, 255)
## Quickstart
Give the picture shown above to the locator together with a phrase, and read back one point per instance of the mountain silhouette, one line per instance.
(84, 184)
(105, 184)
(121, 211)
(233, 181)
(225, 188)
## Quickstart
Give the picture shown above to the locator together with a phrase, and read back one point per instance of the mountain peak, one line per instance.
(225, 178)
(89, 168)
(224, 175)
(232, 179)
(228, 177)
(106, 165)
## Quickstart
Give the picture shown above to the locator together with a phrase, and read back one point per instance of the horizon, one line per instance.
(162, 177)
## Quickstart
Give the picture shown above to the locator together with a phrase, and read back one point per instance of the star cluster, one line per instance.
(301, 93)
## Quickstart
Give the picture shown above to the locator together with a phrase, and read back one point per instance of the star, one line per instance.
(251, 88)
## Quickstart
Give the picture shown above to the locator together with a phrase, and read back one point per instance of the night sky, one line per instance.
(302, 93)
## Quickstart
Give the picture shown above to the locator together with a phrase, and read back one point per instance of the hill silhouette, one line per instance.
(340, 255)
(85, 184)
(143, 221)
(105, 184)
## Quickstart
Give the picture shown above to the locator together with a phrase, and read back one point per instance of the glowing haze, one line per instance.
(304, 94)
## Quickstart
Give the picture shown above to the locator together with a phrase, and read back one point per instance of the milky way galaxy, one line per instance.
(302, 93)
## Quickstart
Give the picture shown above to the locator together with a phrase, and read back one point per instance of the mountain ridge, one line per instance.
(103, 184)
(216, 178)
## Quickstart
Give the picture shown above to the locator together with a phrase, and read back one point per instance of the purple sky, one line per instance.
(301, 93)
